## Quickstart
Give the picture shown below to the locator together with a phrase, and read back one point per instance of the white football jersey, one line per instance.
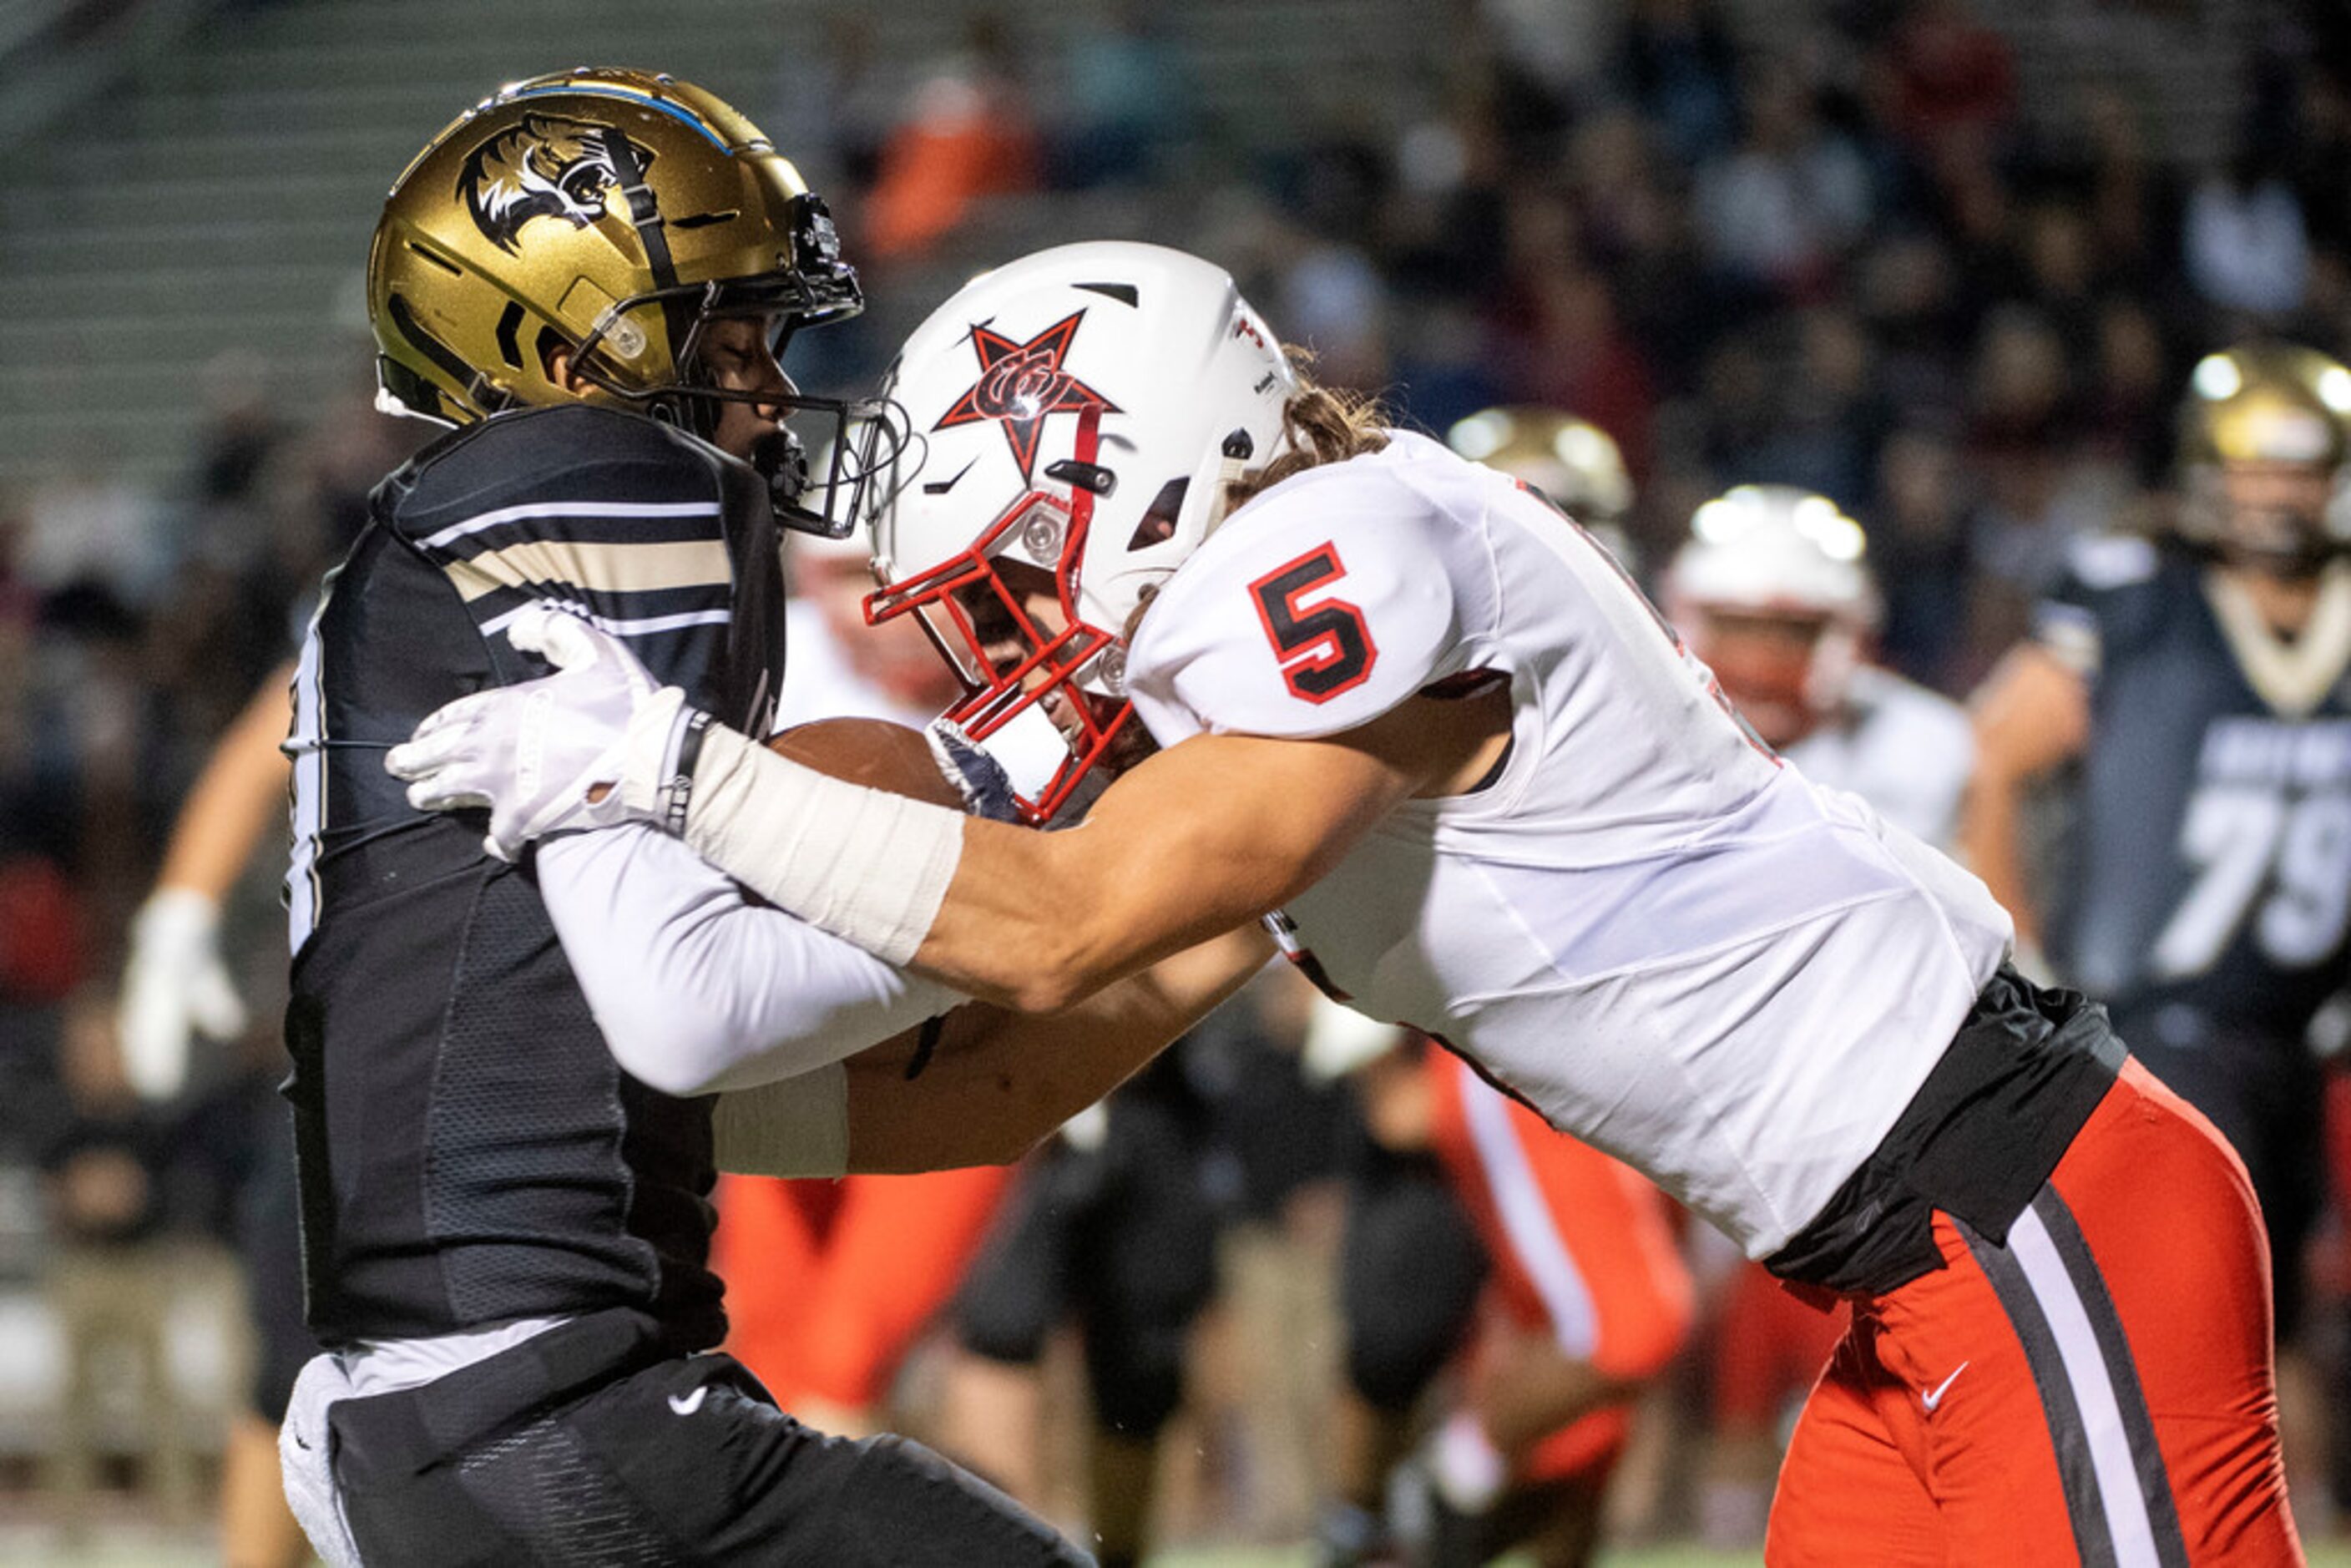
(1648, 928)
(1905, 750)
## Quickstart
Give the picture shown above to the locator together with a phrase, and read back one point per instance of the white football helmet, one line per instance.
(1074, 418)
(1773, 593)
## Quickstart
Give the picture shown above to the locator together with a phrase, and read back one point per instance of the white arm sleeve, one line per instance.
(697, 988)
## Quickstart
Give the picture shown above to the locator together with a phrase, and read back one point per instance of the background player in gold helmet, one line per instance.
(2196, 683)
(2263, 449)
(1573, 462)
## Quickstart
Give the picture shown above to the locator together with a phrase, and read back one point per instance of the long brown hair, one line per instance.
(1320, 424)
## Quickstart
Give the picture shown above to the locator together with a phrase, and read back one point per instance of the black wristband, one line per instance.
(678, 793)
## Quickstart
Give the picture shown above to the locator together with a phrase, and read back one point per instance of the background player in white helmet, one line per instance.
(1495, 799)
(1773, 591)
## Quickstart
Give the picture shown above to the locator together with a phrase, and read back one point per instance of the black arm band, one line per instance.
(927, 1044)
(679, 793)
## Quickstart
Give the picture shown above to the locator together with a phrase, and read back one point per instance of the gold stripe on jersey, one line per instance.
(2292, 677)
(598, 568)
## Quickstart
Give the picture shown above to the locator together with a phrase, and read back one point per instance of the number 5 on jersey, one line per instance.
(1323, 648)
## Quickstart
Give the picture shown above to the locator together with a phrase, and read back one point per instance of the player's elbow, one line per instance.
(1063, 970)
(667, 1075)
(679, 1050)
(1025, 964)
(1050, 991)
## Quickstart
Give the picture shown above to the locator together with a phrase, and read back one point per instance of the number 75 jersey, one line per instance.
(1647, 926)
(2213, 828)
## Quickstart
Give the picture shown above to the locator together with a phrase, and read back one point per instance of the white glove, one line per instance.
(173, 985)
(1468, 1470)
(592, 746)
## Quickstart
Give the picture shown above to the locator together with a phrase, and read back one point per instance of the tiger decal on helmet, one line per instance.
(547, 166)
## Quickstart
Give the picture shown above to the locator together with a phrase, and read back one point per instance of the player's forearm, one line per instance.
(1038, 923)
(1199, 839)
(1990, 840)
(697, 990)
(235, 799)
(2031, 717)
(881, 870)
(1196, 841)
(1003, 1081)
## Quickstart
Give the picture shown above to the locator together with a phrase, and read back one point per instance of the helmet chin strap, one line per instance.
(644, 212)
(696, 415)
(1082, 510)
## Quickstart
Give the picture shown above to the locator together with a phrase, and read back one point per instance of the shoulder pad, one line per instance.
(658, 537)
(545, 457)
(2119, 593)
(1326, 602)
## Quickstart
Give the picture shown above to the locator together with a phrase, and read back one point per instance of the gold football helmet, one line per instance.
(614, 214)
(2265, 455)
(1571, 461)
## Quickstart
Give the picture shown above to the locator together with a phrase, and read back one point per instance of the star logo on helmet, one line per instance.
(1021, 385)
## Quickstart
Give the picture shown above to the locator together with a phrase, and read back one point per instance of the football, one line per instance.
(872, 752)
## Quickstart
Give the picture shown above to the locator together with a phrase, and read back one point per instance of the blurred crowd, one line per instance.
(1852, 261)
(1856, 262)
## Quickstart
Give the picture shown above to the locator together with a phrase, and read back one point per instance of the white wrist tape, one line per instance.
(868, 866)
(795, 1126)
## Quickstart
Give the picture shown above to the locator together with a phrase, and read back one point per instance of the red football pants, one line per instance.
(2098, 1390)
(1768, 1346)
(1579, 1246)
(828, 1283)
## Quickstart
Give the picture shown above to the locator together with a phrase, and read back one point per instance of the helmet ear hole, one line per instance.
(1158, 523)
(509, 327)
(549, 344)
(411, 390)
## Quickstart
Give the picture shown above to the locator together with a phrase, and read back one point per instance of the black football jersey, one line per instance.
(2213, 824)
(469, 1152)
